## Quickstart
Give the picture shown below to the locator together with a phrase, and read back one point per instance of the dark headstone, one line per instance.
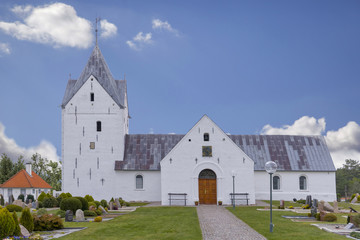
(315, 202)
(308, 200)
(69, 216)
(352, 210)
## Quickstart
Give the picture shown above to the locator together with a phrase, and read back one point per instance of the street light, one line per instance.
(270, 168)
(233, 196)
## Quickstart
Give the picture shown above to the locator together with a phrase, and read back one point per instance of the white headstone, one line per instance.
(79, 215)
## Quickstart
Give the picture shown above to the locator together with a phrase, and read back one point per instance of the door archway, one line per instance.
(207, 187)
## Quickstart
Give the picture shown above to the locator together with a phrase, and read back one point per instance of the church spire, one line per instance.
(97, 20)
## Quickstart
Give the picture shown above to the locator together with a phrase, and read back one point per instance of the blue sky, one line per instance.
(270, 67)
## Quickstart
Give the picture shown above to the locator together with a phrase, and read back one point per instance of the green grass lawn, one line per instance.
(144, 223)
(135, 204)
(284, 228)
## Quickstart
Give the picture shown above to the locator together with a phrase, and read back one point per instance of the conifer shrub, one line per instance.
(70, 203)
(26, 220)
(30, 197)
(2, 203)
(98, 219)
(112, 200)
(21, 197)
(104, 203)
(97, 203)
(60, 213)
(50, 202)
(17, 231)
(84, 203)
(330, 217)
(89, 198)
(47, 222)
(7, 224)
(14, 208)
(88, 213)
(42, 196)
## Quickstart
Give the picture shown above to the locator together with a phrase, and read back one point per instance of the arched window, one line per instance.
(139, 182)
(98, 126)
(206, 137)
(276, 183)
(303, 183)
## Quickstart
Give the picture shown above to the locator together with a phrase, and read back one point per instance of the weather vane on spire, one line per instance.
(97, 20)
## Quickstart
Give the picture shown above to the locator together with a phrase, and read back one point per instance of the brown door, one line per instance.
(207, 191)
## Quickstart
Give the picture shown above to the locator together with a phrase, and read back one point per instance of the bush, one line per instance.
(89, 198)
(21, 197)
(104, 203)
(17, 231)
(106, 209)
(97, 203)
(41, 205)
(28, 197)
(358, 198)
(42, 196)
(318, 216)
(68, 195)
(41, 211)
(2, 203)
(98, 212)
(330, 217)
(70, 203)
(352, 197)
(98, 219)
(50, 202)
(306, 206)
(291, 207)
(89, 213)
(302, 201)
(60, 213)
(112, 200)
(355, 235)
(7, 224)
(92, 204)
(14, 208)
(356, 220)
(84, 203)
(47, 222)
(26, 220)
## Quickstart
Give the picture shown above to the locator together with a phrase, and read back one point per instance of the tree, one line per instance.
(19, 165)
(48, 170)
(6, 168)
(348, 178)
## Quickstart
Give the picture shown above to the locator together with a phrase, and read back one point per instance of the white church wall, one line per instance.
(85, 170)
(181, 167)
(320, 185)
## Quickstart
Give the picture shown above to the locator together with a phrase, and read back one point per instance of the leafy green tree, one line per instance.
(19, 165)
(48, 170)
(348, 178)
(6, 168)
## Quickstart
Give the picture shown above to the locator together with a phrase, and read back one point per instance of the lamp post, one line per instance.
(233, 196)
(270, 168)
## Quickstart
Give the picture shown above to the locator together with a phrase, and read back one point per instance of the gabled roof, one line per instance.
(97, 67)
(23, 180)
(291, 153)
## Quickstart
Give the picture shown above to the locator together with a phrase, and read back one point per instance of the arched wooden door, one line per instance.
(207, 187)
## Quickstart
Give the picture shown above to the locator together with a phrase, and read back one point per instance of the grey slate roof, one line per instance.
(97, 67)
(291, 153)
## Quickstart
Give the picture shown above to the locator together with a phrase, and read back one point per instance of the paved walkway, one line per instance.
(218, 223)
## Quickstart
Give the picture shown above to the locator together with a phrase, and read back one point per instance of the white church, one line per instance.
(205, 165)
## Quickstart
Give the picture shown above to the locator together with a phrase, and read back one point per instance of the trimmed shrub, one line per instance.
(28, 197)
(92, 204)
(70, 203)
(68, 195)
(17, 231)
(104, 203)
(21, 197)
(60, 213)
(84, 203)
(89, 213)
(26, 220)
(41, 211)
(358, 198)
(317, 216)
(63, 196)
(98, 219)
(14, 208)
(97, 203)
(106, 209)
(89, 198)
(98, 212)
(330, 217)
(42, 196)
(2, 203)
(47, 222)
(50, 202)
(41, 205)
(7, 224)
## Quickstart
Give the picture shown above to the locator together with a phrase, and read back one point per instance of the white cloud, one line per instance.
(4, 48)
(158, 24)
(107, 29)
(55, 24)
(139, 41)
(343, 143)
(10, 148)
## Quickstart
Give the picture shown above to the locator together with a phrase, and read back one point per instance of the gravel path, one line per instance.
(218, 223)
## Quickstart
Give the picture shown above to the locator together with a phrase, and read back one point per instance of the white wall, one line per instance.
(320, 185)
(181, 175)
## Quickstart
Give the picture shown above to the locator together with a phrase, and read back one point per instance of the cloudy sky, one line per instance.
(254, 67)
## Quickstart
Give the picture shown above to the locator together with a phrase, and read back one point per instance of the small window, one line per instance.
(92, 97)
(206, 137)
(98, 126)
(139, 182)
(23, 191)
(276, 183)
(302, 183)
(92, 145)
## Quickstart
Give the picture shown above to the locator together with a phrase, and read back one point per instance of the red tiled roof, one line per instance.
(23, 180)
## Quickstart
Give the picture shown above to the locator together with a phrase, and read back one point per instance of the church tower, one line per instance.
(95, 120)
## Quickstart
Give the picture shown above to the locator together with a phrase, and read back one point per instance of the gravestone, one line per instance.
(336, 207)
(349, 226)
(69, 216)
(315, 202)
(33, 205)
(79, 215)
(117, 202)
(321, 206)
(37, 204)
(314, 208)
(102, 209)
(322, 215)
(111, 206)
(354, 200)
(24, 231)
(328, 207)
(92, 208)
(308, 200)
(18, 203)
(282, 204)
